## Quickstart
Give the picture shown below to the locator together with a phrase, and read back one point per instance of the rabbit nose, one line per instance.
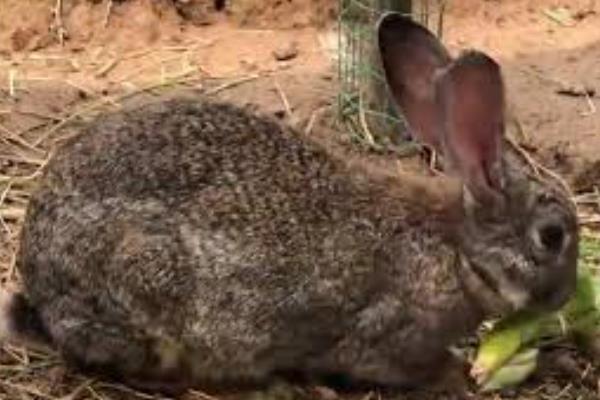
(552, 237)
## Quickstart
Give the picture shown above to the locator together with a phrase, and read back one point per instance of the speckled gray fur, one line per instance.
(196, 240)
(226, 234)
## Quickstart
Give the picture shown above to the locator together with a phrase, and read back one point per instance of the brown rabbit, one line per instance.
(187, 243)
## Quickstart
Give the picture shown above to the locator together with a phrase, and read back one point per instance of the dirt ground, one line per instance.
(276, 56)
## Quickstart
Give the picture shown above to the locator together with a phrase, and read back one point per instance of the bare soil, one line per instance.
(142, 49)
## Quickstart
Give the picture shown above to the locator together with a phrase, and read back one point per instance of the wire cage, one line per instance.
(365, 108)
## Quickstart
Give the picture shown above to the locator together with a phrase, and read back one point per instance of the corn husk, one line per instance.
(507, 354)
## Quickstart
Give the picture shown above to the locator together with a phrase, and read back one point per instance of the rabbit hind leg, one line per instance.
(112, 352)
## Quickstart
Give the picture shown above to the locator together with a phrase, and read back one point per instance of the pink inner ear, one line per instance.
(412, 86)
(411, 55)
(470, 95)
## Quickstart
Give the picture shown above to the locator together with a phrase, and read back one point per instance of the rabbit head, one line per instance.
(518, 235)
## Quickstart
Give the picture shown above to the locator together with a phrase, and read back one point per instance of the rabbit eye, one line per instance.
(551, 237)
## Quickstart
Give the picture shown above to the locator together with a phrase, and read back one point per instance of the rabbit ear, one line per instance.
(470, 97)
(410, 56)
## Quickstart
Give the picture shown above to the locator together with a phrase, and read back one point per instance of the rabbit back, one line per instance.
(187, 228)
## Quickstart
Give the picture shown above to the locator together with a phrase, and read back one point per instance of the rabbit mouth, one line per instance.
(554, 294)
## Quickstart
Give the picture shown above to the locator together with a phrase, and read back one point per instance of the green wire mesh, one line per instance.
(365, 109)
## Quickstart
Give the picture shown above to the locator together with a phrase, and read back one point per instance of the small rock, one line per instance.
(21, 37)
(552, 388)
(325, 393)
(198, 12)
(286, 52)
(571, 58)
(582, 14)
(327, 76)
(82, 94)
(280, 114)
(58, 376)
(249, 65)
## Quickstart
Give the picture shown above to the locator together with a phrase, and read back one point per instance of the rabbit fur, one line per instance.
(184, 243)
